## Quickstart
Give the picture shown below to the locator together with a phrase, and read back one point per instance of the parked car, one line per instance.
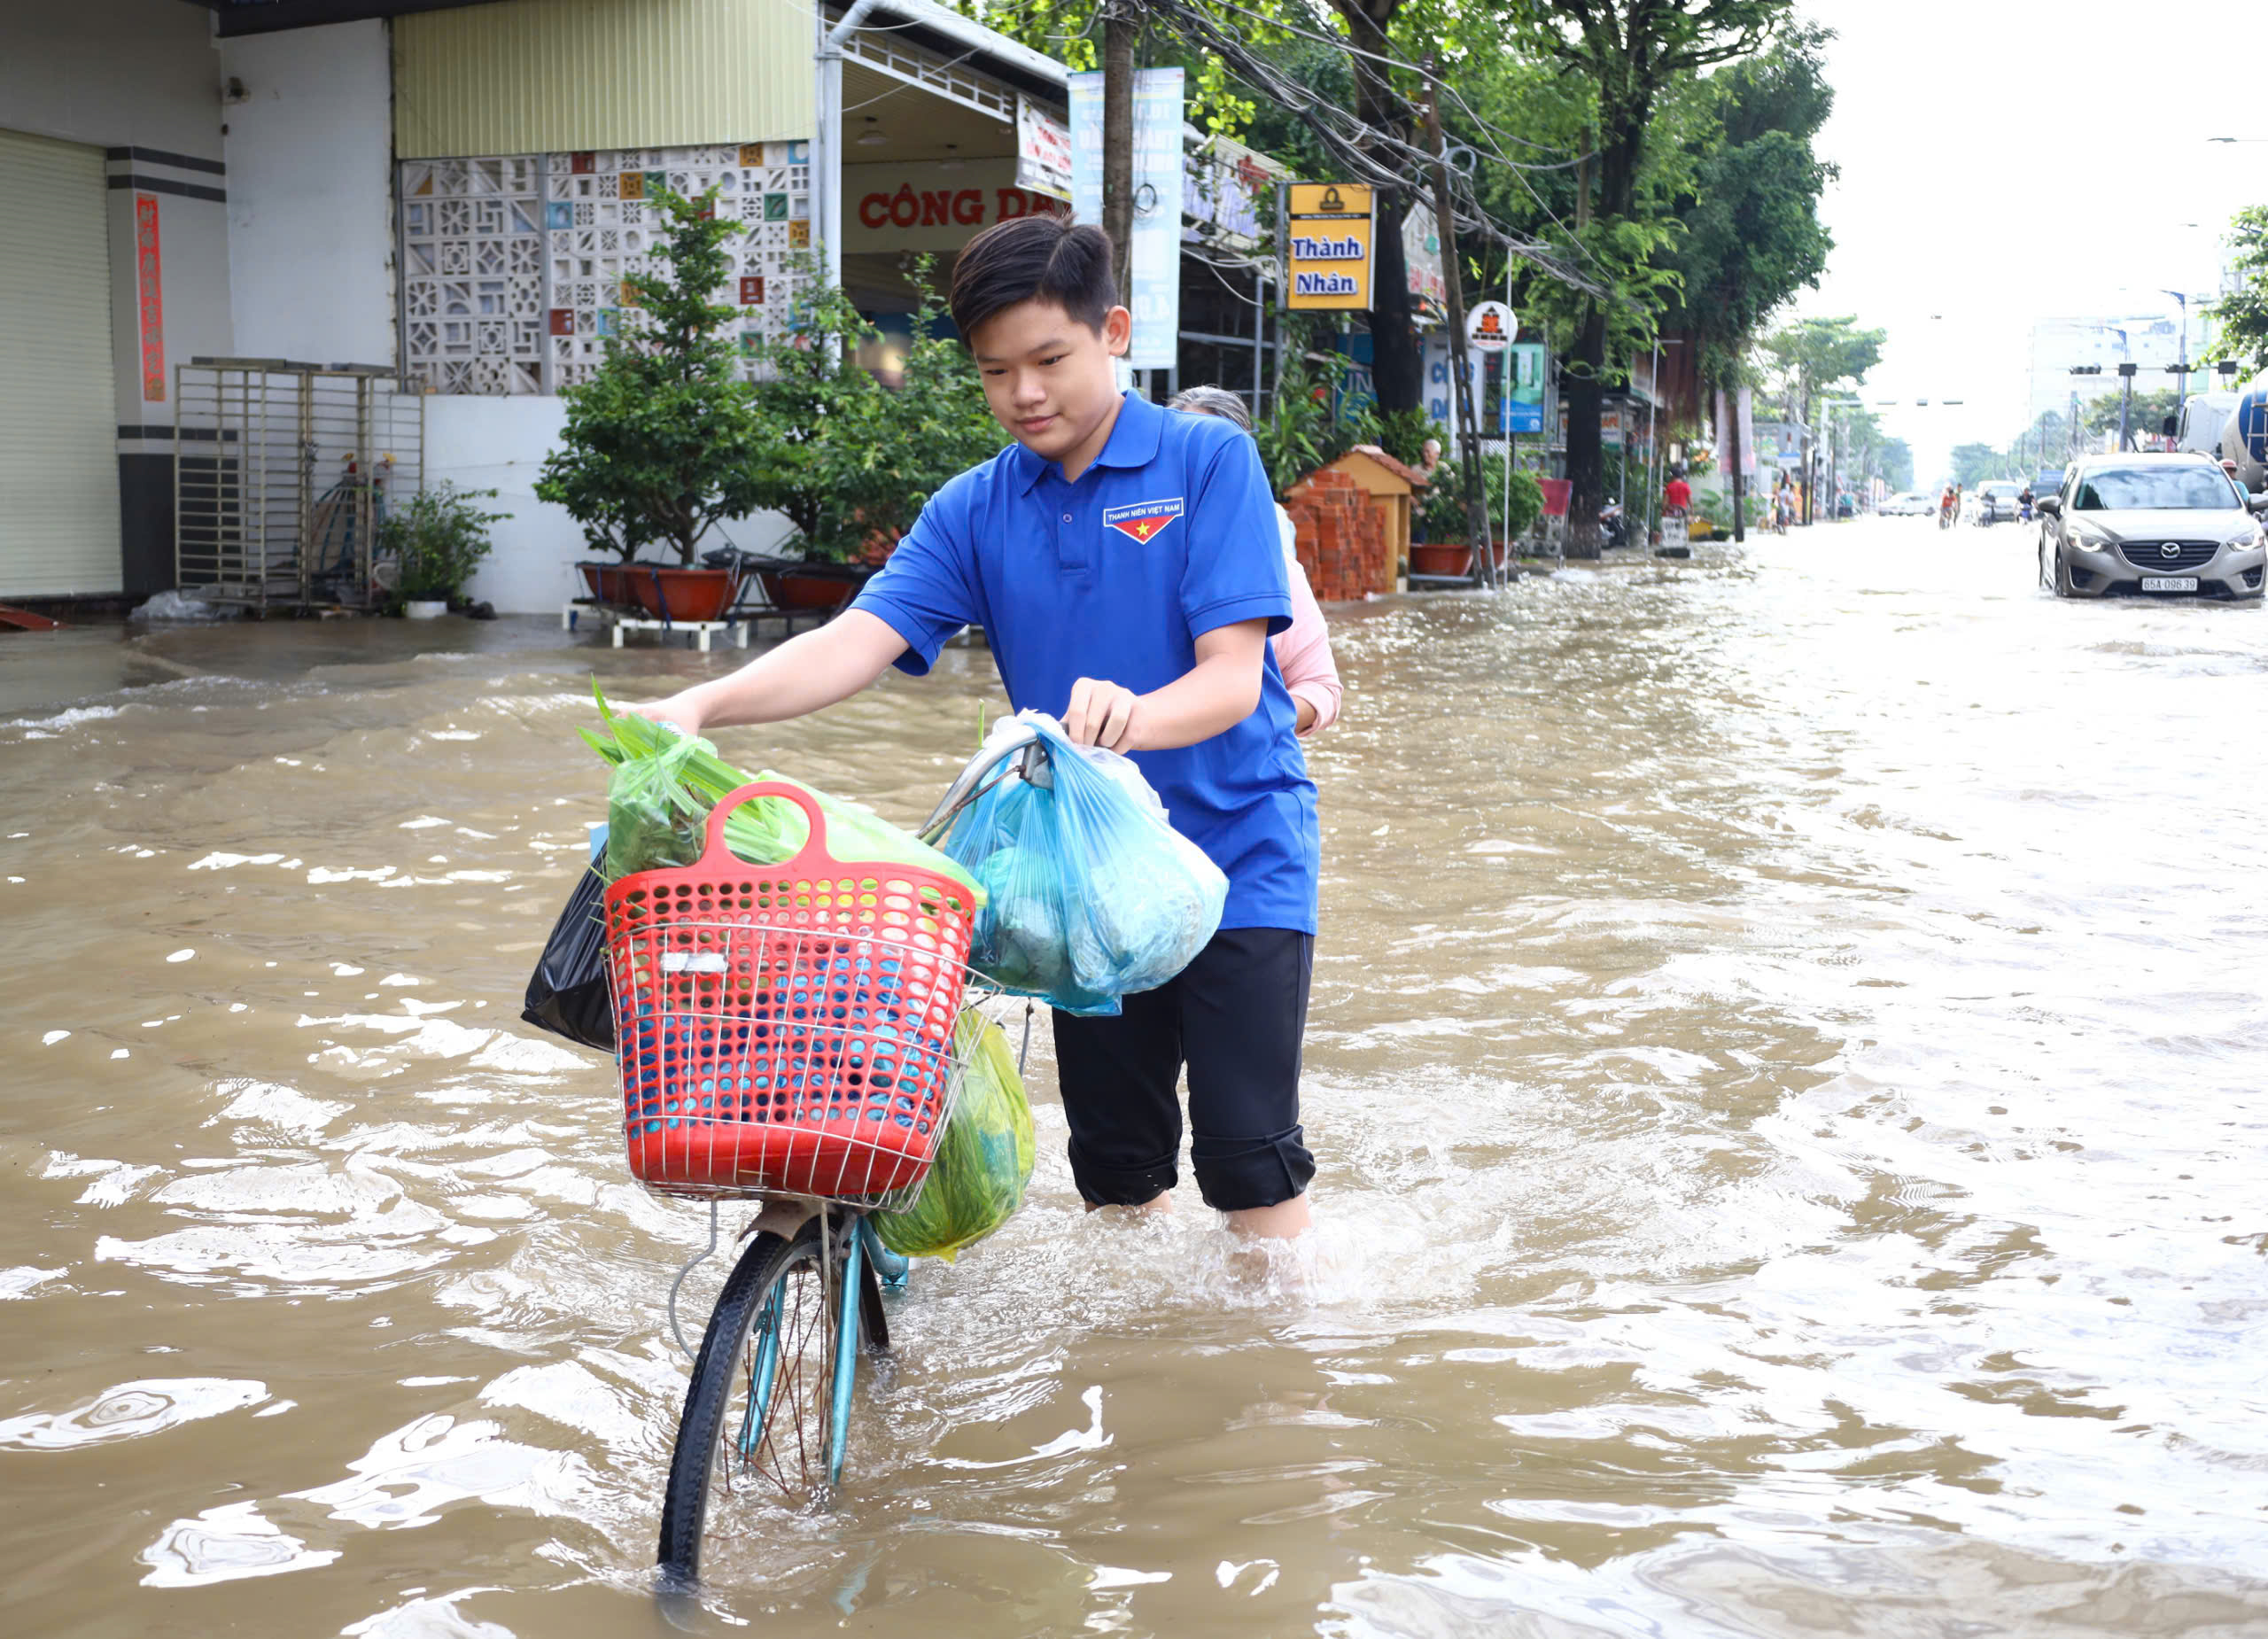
(1912, 504)
(2149, 524)
(1995, 501)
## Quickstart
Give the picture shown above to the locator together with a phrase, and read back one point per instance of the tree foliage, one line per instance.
(663, 442)
(1630, 55)
(1752, 235)
(1812, 355)
(2243, 312)
(849, 459)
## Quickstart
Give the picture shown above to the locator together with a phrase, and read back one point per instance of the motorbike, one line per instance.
(1944, 517)
(1613, 529)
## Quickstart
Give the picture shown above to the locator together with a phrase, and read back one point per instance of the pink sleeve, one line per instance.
(1303, 654)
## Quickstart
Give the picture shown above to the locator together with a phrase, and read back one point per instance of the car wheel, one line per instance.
(2063, 587)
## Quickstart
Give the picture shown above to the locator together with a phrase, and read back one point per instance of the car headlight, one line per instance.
(2245, 539)
(2093, 540)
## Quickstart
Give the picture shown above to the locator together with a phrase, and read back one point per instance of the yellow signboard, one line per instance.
(1327, 248)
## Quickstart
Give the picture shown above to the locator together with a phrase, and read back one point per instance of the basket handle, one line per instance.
(814, 845)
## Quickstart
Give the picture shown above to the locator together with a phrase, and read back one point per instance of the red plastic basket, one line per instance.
(786, 1028)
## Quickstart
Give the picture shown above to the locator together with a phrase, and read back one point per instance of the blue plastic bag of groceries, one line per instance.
(1093, 895)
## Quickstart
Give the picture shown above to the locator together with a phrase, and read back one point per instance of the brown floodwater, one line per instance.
(1786, 1067)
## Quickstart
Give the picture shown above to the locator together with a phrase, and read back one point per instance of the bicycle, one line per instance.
(789, 1035)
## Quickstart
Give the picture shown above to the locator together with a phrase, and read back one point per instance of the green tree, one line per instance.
(1896, 464)
(848, 459)
(1812, 355)
(663, 441)
(1629, 54)
(2243, 312)
(2146, 413)
(1974, 463)
(1752, 233)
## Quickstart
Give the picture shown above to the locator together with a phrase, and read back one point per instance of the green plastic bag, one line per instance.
(662, 786)
(983, 1158)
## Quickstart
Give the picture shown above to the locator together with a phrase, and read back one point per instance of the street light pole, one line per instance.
(2181, 394)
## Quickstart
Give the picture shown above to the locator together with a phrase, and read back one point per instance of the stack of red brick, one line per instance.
(1340, 543)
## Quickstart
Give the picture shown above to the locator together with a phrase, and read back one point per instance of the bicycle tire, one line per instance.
(730, 1350)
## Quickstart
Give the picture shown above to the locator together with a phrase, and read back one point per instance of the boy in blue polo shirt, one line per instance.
(1125, 563)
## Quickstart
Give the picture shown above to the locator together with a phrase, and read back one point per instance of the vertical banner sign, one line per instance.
(1155, 264)
(1155, 258)
(149, 299)
(1043, 151)
(1421, 254)
(1327, 245)
(1086, 147)
(1523, 399)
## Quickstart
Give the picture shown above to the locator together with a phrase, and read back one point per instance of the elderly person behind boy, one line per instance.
(1303, 653)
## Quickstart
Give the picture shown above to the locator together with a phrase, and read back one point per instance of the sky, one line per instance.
(2009, 160)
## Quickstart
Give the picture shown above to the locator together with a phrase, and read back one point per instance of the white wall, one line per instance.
(310, 157)
(500, 444)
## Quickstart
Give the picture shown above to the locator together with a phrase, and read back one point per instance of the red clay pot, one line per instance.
(815, 586)
(682, 593)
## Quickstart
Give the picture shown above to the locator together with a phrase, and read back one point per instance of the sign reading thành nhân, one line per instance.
(1328, 229)
(150, 300)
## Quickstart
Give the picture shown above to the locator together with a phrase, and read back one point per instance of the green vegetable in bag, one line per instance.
(664, 785)
(985, 1155)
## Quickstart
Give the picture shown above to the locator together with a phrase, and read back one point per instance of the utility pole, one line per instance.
(2125, 401)
(1476, 502)
(1118, 33)
(2181, 394)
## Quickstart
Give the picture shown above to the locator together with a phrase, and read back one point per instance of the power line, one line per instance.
(1363, 149)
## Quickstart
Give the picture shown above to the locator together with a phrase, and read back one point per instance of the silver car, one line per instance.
(1995, 503)
(2151, 525)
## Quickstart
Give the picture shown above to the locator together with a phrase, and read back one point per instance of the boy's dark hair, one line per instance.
(1037, 258)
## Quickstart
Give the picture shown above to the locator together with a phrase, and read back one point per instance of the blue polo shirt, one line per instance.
(1170, 535)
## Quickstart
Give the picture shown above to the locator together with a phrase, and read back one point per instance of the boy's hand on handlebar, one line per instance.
(1102, 713)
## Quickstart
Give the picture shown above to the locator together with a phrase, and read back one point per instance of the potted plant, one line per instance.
(663, 442)
(850, 458)
(436, 540)
(1448, 546)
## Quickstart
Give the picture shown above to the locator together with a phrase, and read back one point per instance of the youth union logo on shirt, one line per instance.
(1144, 519)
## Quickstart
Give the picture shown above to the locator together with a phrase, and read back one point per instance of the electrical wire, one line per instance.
(1363, 148)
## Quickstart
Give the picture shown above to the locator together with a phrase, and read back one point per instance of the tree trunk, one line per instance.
(1397, 361)
(1732, 437)
(1811, 460)
(1586, 459)
(1622, 133)
(1461, 382)
(1118, 145)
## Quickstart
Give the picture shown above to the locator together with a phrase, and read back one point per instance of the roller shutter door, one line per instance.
(58, 438)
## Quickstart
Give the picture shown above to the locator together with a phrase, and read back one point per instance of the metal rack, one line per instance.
(282, 476)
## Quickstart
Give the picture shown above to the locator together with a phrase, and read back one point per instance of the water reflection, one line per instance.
(1785, 1078)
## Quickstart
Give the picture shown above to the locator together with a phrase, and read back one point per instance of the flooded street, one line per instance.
(1785, 1070)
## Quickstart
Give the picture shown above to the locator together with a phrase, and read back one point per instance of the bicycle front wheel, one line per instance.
(756, 1422)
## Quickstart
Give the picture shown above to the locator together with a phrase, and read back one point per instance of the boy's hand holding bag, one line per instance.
(1091, 894)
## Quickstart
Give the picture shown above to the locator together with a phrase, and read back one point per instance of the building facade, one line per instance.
(453, 193)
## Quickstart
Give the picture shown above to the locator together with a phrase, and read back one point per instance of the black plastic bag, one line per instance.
(567, 993)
